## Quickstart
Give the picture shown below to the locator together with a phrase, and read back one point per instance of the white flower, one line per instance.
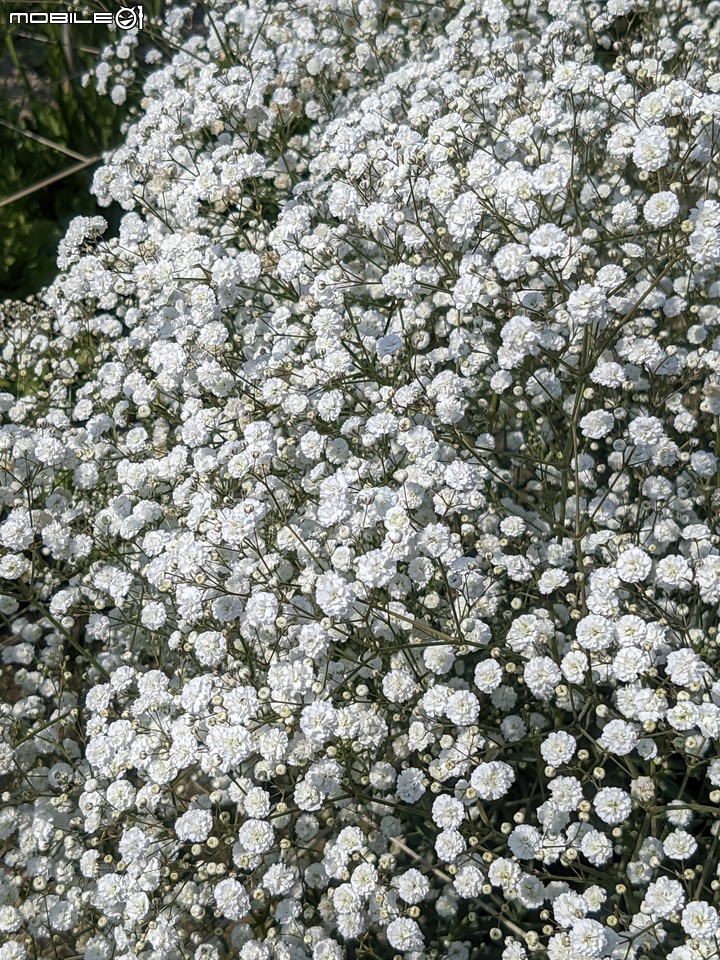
(345, 899)
(14, 950)
(596, 847)
(231, 899)
(552, 580)
(318, 721)
(700, 920)
(707, 577)
(256, 802)
(364, 879)
(334, 594)
(504, 872)
(449, 844)
(595, 632)
(679, 845)
(210, 647)
(661, 209)
(704, 246)
(525, 841)
(646, 430)
(685, 667)
(256, 836)
(463, 217)
(588, 938)
(261, 608)
(618, 737)
(399, 686)
(467, 292)
(439, 659)
(447, 812)
(624, 214)
(511, 260)
(566, 793)
(633, 565)
(399, 281)
(651, 148)
(597, 424)
(194, 825)
(462, 708)
(663, 897)
(587, 304)
(550, 178)
(404, 934)
(674, 573)
(12, 566)
(492, 780)
(10, 919)
(548, 241)
(514, 951)
(412, 886)
(573, 666)
(411, 785)
(612, 805)
(542, 675)
(558, 748)
(488, 675)
(121, 795)
(153, 615)
(468, 881)
(375, 569)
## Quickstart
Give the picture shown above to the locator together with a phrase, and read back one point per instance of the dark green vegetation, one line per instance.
(53, 131)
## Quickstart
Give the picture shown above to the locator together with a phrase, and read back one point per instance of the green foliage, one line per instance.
(42, 98)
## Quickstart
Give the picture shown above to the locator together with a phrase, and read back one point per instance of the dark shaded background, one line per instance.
(51, 127)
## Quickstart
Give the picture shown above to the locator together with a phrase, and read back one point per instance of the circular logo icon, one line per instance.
(126, 18)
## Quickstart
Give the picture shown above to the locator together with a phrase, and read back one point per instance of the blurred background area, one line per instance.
(53, 131)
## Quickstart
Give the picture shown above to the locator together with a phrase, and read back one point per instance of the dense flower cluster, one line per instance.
(359, 540)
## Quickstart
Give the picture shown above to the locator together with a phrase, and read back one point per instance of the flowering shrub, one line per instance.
(359, 534)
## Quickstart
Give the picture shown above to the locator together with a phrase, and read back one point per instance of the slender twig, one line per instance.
(44, 141)
(48, 180)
